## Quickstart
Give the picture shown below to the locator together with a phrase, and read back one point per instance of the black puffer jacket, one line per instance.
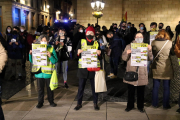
(83, 72)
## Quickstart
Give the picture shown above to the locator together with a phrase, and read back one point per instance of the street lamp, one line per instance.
(48, 6)
(97, 6)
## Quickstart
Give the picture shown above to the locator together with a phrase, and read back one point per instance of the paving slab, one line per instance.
(15, 115)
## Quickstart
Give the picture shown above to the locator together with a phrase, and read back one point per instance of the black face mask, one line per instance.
(97, 34)
(90, 37)
(14, 32)
(160, 27)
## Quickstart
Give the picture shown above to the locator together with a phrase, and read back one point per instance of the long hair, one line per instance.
(163, 35)
(7, 31)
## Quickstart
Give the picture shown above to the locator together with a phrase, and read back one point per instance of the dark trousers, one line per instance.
(179, 100)
(24, 56)
(82, 83)
(114, 62)
(166, 92)
(41, 84)
(1, 113)
(131, 96)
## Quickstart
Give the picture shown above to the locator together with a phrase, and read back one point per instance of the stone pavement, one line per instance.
(22, 106)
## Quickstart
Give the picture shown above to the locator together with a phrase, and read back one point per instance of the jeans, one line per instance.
(64, 69)
(166, 92)
(148, 65)
(114, 62)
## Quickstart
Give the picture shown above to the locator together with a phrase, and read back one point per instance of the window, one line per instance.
(17, 17)
(26, 2)
(41, 5)
(1, 19)
(42, 20)
(32, 21)
(45, 3)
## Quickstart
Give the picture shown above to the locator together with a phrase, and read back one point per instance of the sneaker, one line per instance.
(53, 104)
(178, 110)
(66, 86)
(20, 78)
(110, 75)
(39, 105)
(78, 107)
(113, 77)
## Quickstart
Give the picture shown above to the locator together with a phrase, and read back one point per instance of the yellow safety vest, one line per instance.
(45, 69)
(84, 47)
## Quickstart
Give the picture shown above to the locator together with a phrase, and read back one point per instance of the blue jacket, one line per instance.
(116, 45)
(14, 51)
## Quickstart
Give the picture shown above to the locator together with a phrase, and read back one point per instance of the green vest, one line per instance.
(84, 47)
(45, 69)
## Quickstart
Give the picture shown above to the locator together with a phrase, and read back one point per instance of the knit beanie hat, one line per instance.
(90, 28)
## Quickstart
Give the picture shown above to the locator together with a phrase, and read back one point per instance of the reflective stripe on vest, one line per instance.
(84, 46)
(45, 69)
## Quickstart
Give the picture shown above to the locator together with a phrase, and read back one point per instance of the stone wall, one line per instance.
(112, 12)
(146, 11)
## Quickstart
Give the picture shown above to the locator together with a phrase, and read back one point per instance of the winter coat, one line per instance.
(162, 66)
(53, 60)
(142, 71)
(116, 46)
(77, 37)
(23, 38)
(83, 72)
(14, 51)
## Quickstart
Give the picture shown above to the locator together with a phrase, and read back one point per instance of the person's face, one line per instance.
(160, 25)
(44, 40)
(139, 38)
(90, 33)
(115, 26)
(14, 29)
(80, 29)
(154, 26)
(124, 25)
(61, 33)
(109, 36)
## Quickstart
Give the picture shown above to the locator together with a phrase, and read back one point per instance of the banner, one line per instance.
(89, 58)
(152, 36)
(39, 54)
(139, 54)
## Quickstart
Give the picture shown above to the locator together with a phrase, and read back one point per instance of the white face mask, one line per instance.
(8, 30)
(61, 34)
(44, 42)
(139, 40)
(22, 30)
(81, 31)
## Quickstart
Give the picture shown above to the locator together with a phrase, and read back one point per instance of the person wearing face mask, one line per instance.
(142, 76)
(14, 48)
(8, 32)
(77, 37)
(83, 73)
(125, 33)
(45, 75)
(168, 30)
(161, 25)
(65, 45)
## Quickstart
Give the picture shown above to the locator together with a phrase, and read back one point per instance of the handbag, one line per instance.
(150, 72)
(131, 76)
(100, 81)
(54, 81)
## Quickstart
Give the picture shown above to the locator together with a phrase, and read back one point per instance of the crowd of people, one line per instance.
(64, 44)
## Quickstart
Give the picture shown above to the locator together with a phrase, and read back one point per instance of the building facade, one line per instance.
(28, 13)
(146, 11)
